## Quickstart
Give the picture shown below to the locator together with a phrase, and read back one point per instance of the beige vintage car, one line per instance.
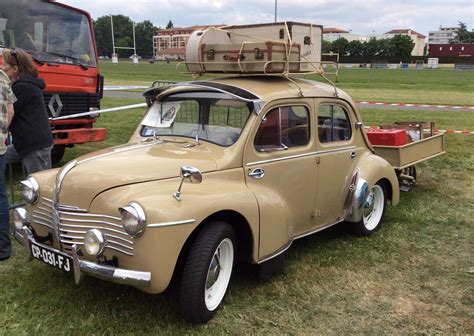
(217, 172)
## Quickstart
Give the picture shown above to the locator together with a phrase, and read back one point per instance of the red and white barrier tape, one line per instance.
(418, 105)
(437, 131)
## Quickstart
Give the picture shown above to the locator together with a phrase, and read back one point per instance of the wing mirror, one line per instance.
(189, 174)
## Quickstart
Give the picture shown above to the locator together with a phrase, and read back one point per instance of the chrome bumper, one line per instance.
(84, 267)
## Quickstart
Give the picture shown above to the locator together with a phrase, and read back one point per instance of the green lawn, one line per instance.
(415, 275)
(427, 86)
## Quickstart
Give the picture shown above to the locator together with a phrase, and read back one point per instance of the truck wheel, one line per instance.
(207, 271)
(373, 211)
(57, 154)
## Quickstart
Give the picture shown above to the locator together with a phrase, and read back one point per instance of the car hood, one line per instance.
(118, 166)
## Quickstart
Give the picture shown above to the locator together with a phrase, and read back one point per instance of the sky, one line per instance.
(367, 17)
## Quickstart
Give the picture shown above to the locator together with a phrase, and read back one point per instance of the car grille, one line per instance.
(74, 102)
(71, 225)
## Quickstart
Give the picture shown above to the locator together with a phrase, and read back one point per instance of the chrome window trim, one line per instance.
(335, 150)
(158, 225)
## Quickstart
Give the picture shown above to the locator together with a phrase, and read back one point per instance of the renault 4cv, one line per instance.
(219, 171)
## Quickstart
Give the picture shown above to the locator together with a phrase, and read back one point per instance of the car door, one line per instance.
(281, 172)
(337, 156)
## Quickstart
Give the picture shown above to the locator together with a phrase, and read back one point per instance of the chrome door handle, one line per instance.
(353, 155)
(257, 173)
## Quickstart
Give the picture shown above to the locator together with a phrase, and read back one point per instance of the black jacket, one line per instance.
(30, 127)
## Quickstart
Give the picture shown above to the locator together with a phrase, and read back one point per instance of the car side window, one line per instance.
(333, 124)
(282, 128)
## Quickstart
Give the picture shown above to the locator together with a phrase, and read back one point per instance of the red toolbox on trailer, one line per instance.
(387, 137)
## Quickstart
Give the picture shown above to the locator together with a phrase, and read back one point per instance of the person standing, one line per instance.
(6, 115)
(31, 133)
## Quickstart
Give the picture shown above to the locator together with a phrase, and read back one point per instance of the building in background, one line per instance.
(445, 35)
(332, 34)
(171, 43)
(458, 50)
(416, 37)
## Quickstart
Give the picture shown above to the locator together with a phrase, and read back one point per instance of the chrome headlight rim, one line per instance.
(99, 239)
(20, 218)
(30, 184)
(136, 211)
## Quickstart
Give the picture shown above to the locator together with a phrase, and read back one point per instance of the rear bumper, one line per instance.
(85, 267)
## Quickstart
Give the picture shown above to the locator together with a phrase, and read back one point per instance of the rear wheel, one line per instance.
(207, 272)
(373, 211)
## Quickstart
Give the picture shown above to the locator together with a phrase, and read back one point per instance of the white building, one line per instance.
(444, 35)
(332, 34)
(418, 38)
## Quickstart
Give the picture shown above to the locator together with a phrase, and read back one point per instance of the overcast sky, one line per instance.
(362, 17)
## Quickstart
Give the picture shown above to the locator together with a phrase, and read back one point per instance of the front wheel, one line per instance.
(207, 272)
(373, 211)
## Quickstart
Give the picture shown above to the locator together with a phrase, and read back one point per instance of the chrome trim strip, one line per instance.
(288, 244)
(277, 253)
(335, 150)
(42, 215)
(320, 228)
(94, 227)
(90, 215)
(89, 221)
(46, 199)
(48, 210)
(106, 234)
(115, 243)
(72, 237)
(60, 177)
(42, 223)
(157, 225)
(70, 208)
(119, 250)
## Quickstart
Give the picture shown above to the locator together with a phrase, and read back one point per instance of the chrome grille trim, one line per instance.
(89, 215)
(90, 221)
(74, 222)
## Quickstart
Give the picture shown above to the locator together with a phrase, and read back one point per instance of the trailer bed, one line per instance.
(401, 157)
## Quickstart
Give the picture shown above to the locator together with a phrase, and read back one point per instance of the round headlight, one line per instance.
(19, 218)
(94, 242)
(133, 219)
(30, 190)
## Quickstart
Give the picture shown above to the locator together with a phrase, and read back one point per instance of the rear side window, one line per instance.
(333, 124)
(282, 128)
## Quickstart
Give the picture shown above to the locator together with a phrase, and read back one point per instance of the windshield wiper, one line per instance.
(75, 60)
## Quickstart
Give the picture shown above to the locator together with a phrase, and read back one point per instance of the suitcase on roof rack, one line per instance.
(251, 57)
(272, 40)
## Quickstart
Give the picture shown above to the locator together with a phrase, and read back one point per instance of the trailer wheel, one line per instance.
(207, 272)
(57, 154)
(373, 212)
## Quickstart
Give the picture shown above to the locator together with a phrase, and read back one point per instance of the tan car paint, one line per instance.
(276, 209)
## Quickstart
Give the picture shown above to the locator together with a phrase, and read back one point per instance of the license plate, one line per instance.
(53, 258)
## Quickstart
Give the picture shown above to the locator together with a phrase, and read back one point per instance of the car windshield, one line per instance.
(199, 116)
(50, 32)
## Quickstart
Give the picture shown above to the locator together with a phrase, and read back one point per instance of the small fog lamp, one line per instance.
(19, 218)
(94, 242)
(30, 190)
(133, 219)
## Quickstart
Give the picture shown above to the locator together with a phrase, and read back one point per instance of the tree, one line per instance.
(169, 25)
(401, 45)
(144, 32)
(463, 35)
(355, 48)
(371, 47)
(340, 46)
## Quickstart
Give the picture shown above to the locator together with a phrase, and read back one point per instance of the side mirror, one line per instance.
(189, 174)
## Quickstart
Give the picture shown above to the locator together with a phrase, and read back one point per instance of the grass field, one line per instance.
(409, 86)
(415, 275)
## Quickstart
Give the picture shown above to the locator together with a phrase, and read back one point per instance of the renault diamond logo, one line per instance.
(55, 105)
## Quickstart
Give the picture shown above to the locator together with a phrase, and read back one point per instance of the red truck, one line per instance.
(61, 40)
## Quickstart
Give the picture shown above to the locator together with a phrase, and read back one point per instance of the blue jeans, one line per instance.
(5, 245)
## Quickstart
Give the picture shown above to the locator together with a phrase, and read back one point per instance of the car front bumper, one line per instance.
(85, 267)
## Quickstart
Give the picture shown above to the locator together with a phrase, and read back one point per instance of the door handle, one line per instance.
(257, 173)
(353, 155)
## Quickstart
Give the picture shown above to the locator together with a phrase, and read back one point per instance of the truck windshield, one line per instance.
(216, 120)
(50, 32)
